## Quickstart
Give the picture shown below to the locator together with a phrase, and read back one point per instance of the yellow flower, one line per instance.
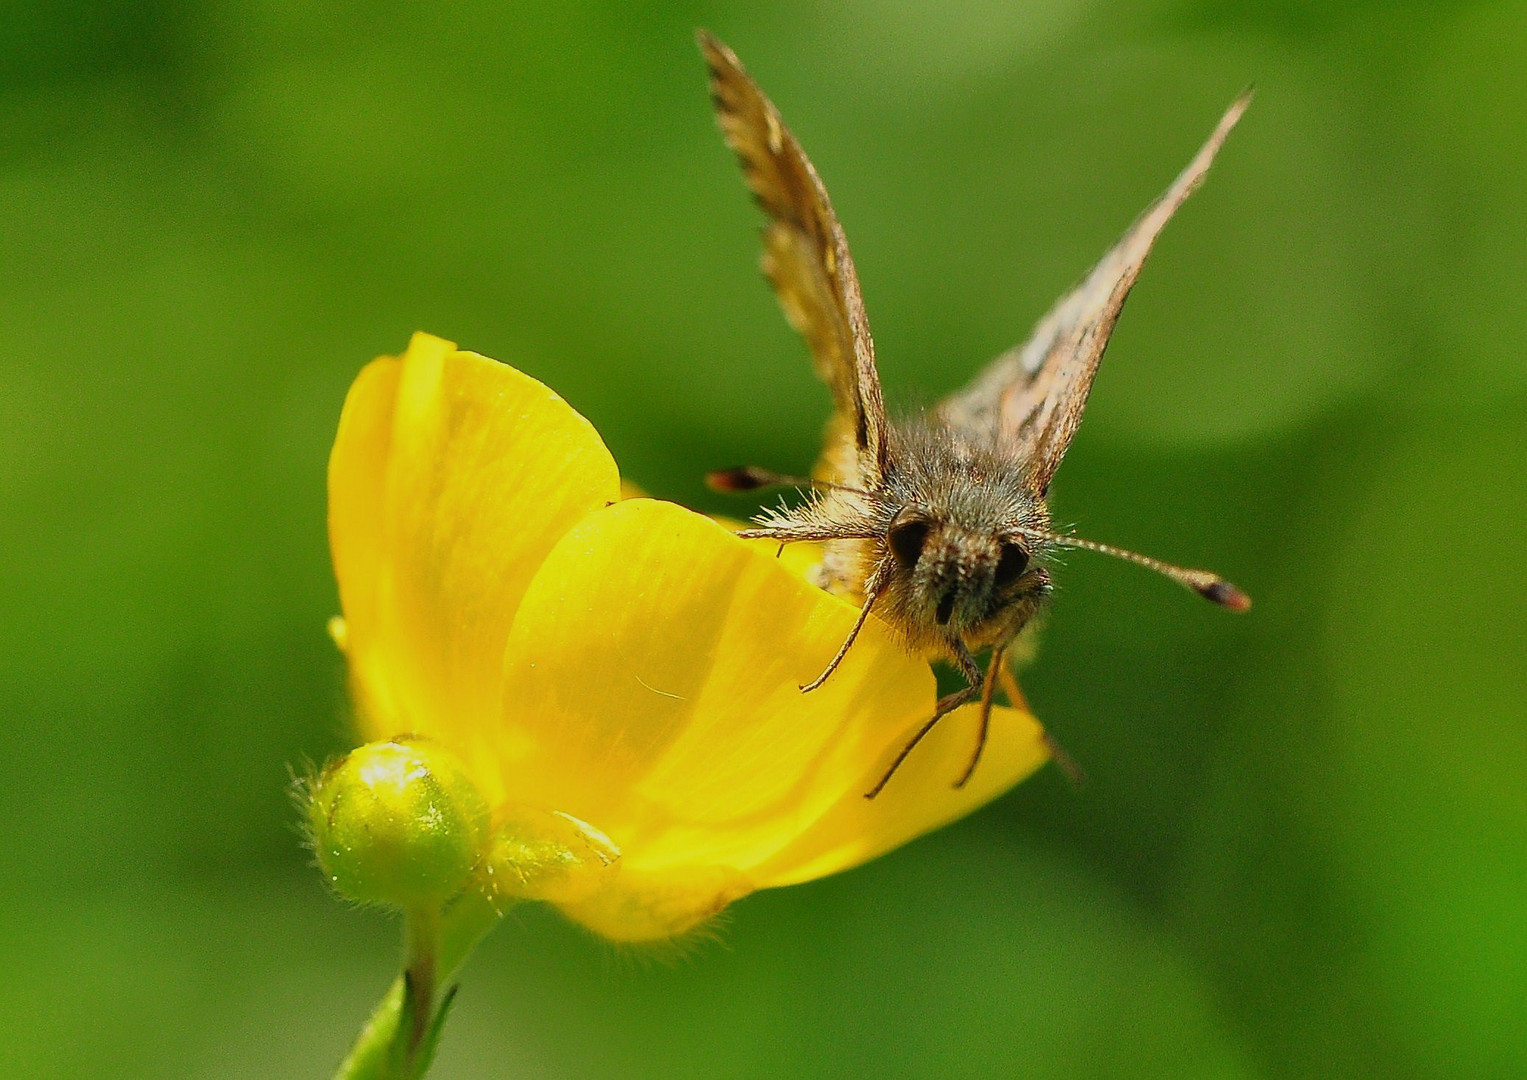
(623, 664)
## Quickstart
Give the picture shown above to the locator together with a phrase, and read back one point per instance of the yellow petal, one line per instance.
(651, 688)
(646, 906)
(451, 479)
(921, 796)
(357, 480)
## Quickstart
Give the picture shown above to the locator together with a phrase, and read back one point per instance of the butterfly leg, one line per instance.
(1063, 761)
(1011, 690)
(872, 590)
(988, 689)
(946, 705)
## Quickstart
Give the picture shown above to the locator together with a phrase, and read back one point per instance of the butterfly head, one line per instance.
(960, 533)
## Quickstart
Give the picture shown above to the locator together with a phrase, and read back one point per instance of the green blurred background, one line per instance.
(1302, 851)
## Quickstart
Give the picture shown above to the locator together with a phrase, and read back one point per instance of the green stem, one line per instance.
(398, 1042)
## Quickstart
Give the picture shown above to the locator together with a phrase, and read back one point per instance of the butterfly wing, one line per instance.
(1031, 398)
(806, 259)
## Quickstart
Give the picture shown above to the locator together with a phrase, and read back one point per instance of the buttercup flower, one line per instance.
(622, 671)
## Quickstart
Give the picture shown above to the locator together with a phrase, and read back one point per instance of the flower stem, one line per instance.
(398, 1042)
(421, 943)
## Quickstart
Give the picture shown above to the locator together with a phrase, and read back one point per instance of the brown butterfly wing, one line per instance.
(1030, 399)
(805, 257)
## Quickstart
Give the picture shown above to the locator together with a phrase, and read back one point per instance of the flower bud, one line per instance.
(397, 823)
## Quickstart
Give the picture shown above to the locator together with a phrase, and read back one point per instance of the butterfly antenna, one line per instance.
(754, 478)
(1205, 583)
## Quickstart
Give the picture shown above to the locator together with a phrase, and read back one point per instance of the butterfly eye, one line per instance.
(907, 541)
(1010, 564)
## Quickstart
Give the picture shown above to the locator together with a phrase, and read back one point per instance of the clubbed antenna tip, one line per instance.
(742, 478)
(1225, 595)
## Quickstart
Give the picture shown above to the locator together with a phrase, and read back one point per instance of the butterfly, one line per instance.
(935, 521)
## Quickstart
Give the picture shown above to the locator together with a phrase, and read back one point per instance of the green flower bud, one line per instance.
(397, 823)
